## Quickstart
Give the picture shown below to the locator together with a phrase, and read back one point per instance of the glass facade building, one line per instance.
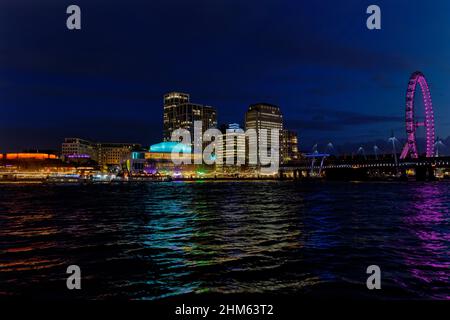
(180, 113)
(289, 146)
(231, 150)
(263, 116)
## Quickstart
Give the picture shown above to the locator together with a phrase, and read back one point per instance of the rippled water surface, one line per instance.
(155, 240)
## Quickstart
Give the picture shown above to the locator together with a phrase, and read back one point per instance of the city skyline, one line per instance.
(351, 92)
(348, 147)
(225, 158)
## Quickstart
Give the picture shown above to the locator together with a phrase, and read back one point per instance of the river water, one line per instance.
(158, 240)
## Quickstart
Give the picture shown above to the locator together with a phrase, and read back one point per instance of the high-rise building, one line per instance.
(263, 116)
(231, 151)
(180, 113)
(171, 121)
(289, 146)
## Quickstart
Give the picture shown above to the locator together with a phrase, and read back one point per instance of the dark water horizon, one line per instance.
(160, 240)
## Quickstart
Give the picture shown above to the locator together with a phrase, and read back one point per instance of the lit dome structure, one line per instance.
(168, 146)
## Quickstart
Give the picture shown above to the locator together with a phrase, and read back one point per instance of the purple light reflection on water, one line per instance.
(176, 238)
(426, 219)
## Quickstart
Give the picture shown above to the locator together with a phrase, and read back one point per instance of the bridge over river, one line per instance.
(359, 168)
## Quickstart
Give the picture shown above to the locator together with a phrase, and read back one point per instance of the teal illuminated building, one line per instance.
(168, 146)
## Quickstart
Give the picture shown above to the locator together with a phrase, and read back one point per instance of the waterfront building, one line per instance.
(289, 146)
(262, 116)
(76, 148)
(110, 154)
(104, 153)
(28, 156)
(180, 113)
(230, 153)
(32, 166)
(158, 161)
(136, 163)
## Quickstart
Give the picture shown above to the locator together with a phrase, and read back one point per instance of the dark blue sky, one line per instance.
(334, 79)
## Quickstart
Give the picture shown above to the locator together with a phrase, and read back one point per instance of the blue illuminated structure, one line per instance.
(316, 155)
(137, 155)
(168, 146)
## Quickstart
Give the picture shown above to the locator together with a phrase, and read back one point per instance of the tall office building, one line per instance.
(171, 119)
(263, 116)
(231, 151)
(180, 113)
(289, 146)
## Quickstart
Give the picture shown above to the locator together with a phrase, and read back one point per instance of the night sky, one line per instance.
(333, 78)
